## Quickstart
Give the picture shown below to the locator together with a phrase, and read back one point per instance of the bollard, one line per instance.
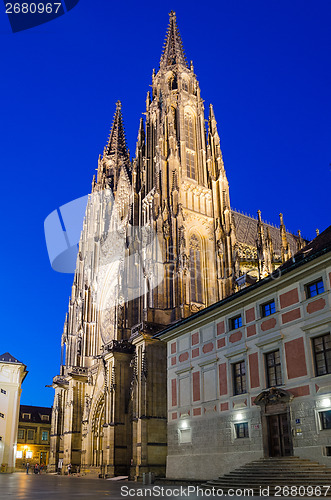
(151, 478)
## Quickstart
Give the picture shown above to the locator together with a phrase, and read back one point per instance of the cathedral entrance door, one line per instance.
(279, 436)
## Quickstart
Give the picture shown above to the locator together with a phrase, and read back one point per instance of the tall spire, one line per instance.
(173, 52)
(116, 145)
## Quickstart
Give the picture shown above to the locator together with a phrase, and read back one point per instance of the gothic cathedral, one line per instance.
(159, 243)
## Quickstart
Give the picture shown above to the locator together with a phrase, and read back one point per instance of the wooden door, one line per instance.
(280, 444)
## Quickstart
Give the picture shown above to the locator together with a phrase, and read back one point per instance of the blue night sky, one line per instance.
(265, 66)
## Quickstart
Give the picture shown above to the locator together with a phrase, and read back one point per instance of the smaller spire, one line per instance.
(317, 232)
(116, 145)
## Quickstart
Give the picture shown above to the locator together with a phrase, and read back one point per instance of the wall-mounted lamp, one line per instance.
(325, 402)
(183, 424)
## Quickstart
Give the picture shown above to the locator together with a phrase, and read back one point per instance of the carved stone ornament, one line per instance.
(272, 396)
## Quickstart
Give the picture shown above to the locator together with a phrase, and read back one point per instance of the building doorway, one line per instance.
(279, 435)
(276, 422)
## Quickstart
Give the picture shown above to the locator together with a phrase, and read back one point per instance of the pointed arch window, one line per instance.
(190, 147)
(195, 270)
(189, 134)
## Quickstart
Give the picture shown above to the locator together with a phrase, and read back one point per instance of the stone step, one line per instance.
(268, 482)
(271, 472)
(284, 464)
(304, 493)
(288, 473)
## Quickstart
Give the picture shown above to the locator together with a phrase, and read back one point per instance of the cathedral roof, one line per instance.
(173, 51)
(246, 232)
(8, 358)
(116, 145)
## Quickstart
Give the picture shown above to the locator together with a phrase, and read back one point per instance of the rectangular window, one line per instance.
(325, 417)
(20, 434)
(273, 369)
(3, 391)
(44, 436)
(26, 416)
(322, 354)
(239, 377)
(28, 454)
(30, 435)
(241, 430)
(268, 308)
(45, 417)
(235, 322)
(19, 454)
(314, 288)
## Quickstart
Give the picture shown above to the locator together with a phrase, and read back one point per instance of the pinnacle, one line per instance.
(211, 112)
(173, 52)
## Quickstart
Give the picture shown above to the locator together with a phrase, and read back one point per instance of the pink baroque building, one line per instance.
(250, 376)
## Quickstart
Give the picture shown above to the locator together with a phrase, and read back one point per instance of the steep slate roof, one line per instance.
(36, 412)
(246, 232)
(173, 51)
(8, 358)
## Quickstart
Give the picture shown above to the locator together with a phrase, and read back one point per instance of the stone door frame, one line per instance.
(274, 401)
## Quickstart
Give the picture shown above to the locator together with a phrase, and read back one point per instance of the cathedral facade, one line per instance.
(159, 243)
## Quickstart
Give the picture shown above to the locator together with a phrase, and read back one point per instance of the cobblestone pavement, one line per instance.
(20, 486)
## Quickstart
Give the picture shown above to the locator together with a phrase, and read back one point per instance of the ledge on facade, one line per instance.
(77, 372)
(59, 380)
(119, 346)
(144, 328)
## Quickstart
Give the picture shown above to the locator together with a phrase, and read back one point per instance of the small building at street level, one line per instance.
(250, 376)
(12, 374)
(33, 436)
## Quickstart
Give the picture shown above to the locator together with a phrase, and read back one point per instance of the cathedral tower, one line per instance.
(184, 191)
